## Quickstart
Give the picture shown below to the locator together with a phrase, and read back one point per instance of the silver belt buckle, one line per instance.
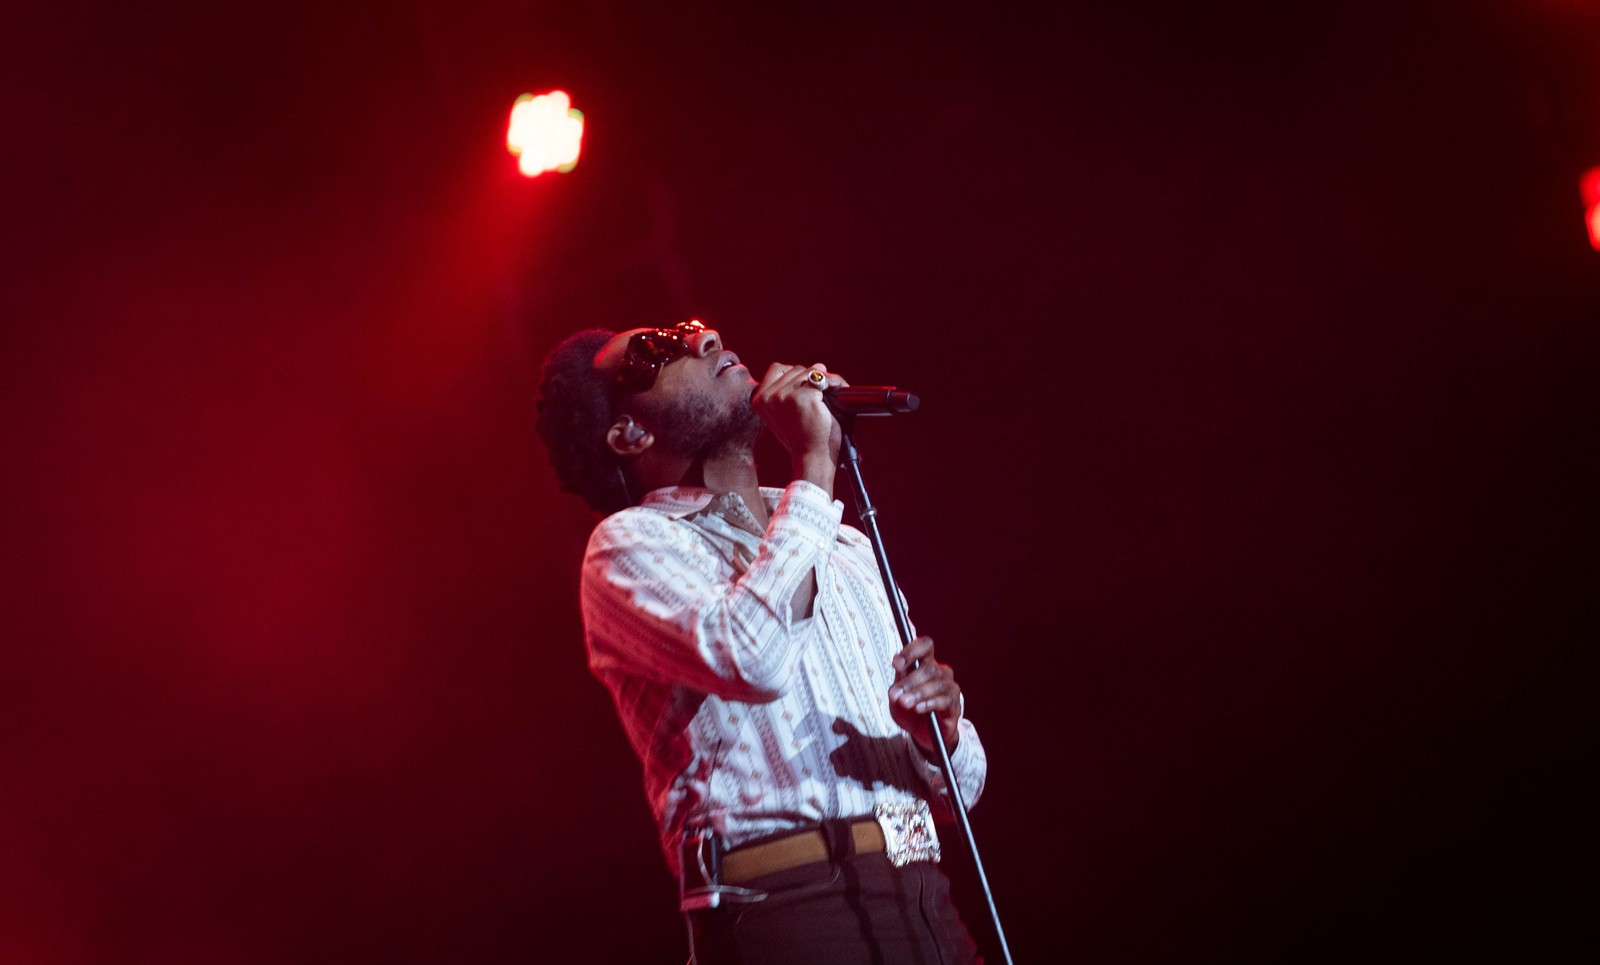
(908, 833)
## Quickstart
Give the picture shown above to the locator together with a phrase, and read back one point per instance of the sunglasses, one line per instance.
(648, 351)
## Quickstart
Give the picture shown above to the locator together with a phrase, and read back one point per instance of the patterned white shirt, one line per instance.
(746, 719)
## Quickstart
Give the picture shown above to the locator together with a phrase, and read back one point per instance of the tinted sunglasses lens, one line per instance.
(647, 352)
(659, 346)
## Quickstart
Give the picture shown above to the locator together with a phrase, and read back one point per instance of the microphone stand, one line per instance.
(850, 459)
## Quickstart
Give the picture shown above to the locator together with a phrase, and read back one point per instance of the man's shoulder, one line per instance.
(628, 523)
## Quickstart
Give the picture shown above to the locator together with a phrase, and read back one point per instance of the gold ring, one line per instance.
(818, 379)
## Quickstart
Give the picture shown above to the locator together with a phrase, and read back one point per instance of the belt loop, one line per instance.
(839, 838)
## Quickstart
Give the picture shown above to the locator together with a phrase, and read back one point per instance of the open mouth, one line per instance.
(729, 361)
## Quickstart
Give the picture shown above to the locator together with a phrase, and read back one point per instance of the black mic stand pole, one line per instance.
(850, 458)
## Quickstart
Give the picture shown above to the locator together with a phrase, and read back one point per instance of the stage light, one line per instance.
(1589, 184)
(545, 133)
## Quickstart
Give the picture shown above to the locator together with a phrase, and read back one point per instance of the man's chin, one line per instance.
(740, 438)
(699, 432)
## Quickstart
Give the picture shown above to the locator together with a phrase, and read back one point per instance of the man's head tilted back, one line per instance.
(610, 399)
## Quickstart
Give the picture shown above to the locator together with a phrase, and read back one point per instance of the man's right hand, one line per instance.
(793, 408)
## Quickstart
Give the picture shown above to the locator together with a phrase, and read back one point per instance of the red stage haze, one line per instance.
(1590, 186)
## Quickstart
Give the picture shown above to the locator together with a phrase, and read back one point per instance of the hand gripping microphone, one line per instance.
(869, 400)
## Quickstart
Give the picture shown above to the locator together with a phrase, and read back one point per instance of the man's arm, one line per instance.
(654, 604)
(789, 402)
(924, 686)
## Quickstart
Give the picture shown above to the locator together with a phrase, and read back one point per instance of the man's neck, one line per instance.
(736, 473)
(733, 472)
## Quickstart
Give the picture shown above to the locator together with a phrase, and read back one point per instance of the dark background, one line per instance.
(1249, 496)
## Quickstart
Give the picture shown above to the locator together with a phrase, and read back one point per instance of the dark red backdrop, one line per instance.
(1249, 494)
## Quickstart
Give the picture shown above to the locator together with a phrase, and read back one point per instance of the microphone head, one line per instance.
(902, 401)
(870, 400)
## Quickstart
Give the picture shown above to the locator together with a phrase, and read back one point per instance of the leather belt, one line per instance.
(807, 847)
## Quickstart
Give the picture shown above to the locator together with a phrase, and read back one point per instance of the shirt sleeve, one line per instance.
(968, 760)
(656, 605)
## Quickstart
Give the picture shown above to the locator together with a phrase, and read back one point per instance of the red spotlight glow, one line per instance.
(545, 133)
(1589, 184)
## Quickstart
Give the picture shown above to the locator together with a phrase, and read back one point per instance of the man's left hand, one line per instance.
(930, 688)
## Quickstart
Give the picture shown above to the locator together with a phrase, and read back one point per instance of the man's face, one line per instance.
(699, 402)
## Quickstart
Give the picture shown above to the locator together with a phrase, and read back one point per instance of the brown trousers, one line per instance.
(860, 910)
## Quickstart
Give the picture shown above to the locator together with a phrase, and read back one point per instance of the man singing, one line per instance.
(747, 641)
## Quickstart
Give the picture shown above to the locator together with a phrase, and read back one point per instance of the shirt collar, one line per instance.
(678, 502)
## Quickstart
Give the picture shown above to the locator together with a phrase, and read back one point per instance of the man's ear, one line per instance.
(628, 438)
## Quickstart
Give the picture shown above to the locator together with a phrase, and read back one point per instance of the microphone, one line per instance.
(869, 400)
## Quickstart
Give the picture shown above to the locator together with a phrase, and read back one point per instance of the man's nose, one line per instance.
(705, 342)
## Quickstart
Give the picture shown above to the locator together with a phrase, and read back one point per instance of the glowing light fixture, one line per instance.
(545, 134)
(1589, 184)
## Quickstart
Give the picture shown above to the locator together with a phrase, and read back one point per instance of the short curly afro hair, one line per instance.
(574, 412)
